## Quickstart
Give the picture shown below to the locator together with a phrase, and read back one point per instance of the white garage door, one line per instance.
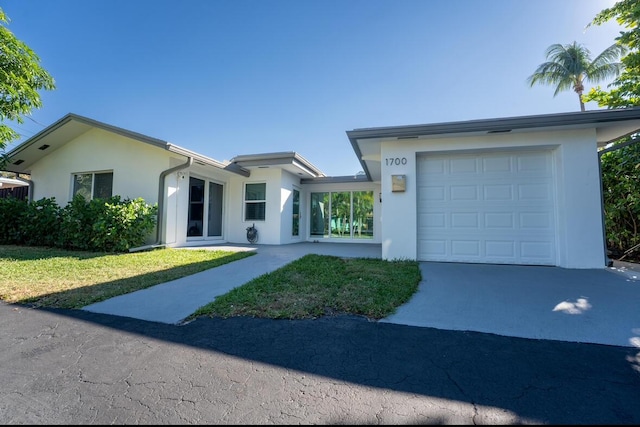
(488, 208)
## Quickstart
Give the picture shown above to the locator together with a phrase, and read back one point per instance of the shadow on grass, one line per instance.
(28, 253)
(81, 296)
(539, 381)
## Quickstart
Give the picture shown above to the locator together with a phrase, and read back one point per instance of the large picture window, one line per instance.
(93, 185)
(255, 202)
(342, 214)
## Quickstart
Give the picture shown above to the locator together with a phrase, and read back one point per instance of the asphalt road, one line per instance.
(78, 367)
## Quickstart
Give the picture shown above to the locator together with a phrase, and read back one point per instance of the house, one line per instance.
(516, 190)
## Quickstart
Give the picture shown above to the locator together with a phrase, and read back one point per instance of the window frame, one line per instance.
(93, 183)
(327, 198)
(262, 202)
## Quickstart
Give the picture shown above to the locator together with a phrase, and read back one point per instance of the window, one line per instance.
(342, 214)
(255, 202)
(93, 185)
(320, 214)
(295, 226)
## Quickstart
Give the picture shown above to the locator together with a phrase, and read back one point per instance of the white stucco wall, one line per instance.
(269, 230)
(289, 183)
(580, 242)
(135, 165)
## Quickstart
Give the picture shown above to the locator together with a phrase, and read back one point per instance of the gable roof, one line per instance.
(22, 157)
(609, 124)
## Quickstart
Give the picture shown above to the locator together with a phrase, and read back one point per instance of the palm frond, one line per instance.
(569, 65)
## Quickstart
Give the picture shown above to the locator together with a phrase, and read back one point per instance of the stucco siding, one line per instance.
(136, 166)
(289, 183)
(269, 229)
(576, 175)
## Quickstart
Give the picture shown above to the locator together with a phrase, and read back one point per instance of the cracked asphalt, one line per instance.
(78, 367)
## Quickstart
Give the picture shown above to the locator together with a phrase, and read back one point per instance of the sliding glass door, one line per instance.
(203, 205)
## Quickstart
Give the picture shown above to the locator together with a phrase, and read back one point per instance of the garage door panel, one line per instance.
(499, 220)
(434, 248)
(465, 248)
(494, 208)
(464, 220)
(497, 164)
(433, 220)
(532, 251)
(494, 192)
(500, 249)
(434, 166)
(534, 163)
(463, 192)
(463, 165)
(432, 193)
(535, 220)
(534, 191)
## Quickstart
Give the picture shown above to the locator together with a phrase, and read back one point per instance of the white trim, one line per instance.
(244, 201)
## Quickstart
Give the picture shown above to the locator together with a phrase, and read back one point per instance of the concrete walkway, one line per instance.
(598, 306)
(173, 301)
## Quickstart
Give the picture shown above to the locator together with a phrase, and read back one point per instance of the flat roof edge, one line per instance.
(498, 124)
(336, 179)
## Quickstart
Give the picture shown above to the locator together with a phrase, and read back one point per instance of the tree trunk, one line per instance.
(579, 88)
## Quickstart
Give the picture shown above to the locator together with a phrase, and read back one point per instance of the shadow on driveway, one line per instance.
(82, 367)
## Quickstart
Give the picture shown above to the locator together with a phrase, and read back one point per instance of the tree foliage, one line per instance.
(625, 90)
(21, 77)
(570, 66)
(621, 192)
(621, 167)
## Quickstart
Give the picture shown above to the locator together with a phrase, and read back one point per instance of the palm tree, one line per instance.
(570, 65)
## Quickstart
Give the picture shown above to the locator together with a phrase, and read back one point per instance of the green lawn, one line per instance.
(312, 286)
(47, 277)
(318, 285)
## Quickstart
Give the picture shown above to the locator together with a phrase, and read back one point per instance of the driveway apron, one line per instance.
(600, 306)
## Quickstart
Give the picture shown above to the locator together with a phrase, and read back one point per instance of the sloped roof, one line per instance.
(22, 157)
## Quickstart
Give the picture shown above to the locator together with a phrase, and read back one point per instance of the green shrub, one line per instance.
(108, 225)
(76, 227)
(122, 224)
(40, 223)
(105, 225)
(11, 216)
(621, 193)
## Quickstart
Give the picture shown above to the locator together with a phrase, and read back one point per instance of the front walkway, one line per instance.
(173, 301)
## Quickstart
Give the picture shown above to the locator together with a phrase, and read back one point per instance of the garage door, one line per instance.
(489, 208)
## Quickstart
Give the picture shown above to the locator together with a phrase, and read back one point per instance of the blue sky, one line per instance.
(235, 77)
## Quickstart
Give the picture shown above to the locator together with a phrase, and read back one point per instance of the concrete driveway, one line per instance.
(599, 306)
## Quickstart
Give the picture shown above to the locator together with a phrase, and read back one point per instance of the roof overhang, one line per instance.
(290, 161)
(610, 125)
(12, 182)
(71, 126)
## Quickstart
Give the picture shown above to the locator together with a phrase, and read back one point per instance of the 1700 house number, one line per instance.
(391, 161)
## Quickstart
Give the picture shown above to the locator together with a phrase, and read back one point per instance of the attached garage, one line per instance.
(513, 190)
(491, 207)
